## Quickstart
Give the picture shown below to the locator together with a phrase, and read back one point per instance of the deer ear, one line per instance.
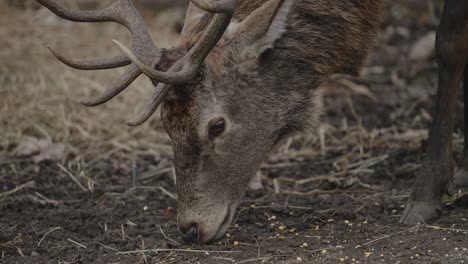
(259, 31)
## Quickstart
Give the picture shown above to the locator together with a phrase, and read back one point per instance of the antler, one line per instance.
(144, 54)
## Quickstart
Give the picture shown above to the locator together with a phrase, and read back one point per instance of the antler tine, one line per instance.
(195, 57)
(153, 103)
(144, 54)
(124, 13)
(121, 84)
(220, 6)
(99, 64)
(209, 39)
(103, 15)
(184, 69)
(156, 99)
(176, 77)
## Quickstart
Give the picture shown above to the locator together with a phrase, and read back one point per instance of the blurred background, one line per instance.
(39, 96)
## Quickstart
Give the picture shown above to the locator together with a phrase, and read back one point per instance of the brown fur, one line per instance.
(345, 29)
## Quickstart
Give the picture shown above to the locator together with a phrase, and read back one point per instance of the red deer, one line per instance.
(244, 76)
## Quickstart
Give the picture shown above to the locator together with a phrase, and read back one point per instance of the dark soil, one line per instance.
(373, 147)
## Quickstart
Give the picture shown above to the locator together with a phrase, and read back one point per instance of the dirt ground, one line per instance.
(78, 186)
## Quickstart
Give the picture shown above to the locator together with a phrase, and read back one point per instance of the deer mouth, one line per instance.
(224, 224)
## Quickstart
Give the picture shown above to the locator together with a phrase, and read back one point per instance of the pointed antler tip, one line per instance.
(124, 50)
(86, 102)
(51, 49)
(133, 123)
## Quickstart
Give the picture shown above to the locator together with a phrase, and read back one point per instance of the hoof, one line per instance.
(419, 212)
(460, 180)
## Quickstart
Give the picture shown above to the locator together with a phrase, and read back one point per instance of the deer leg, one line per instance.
(461, 177)
(437, 169)
(436, 175)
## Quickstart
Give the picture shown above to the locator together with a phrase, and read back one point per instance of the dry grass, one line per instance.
(39, 96)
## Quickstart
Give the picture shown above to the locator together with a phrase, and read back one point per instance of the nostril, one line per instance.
(191, 236)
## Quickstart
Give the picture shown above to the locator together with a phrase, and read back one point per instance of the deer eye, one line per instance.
(216, 128)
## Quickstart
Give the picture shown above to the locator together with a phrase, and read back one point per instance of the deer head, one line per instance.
(215, 104)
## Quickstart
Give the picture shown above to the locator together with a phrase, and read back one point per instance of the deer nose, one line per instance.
(191, 234)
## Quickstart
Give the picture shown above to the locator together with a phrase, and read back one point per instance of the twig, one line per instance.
(323, 146)
(322, 249)
(20, 252)
(276, 185)
(122, 229)
(445, 228)
(387, 236)
(368, 162)
(28, 184)
(143, 251)
(174, 250)
(72, 177)
(44, 200)
(152, 174)
(48, 232)
(166, 192)
(329, 177)
(76, 243)
(108, 247)
(166, 237)
(320, 192)
(262, 259)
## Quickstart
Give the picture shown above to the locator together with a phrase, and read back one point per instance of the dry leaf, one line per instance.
(423, 48)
